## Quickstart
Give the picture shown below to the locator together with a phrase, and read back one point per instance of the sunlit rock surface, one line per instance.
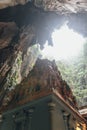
(63, 6)
(6, 3)
(27, 22)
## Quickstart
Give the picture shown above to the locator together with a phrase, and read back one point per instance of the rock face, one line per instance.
(6, 3)
(7, 32)
(60, 6)
(27, 22)
(64, 6)
(43, 76)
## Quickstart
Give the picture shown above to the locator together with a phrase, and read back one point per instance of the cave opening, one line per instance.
(24, 26)
(69, 52)
(67, 44)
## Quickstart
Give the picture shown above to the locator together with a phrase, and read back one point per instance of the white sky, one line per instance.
(67, 43)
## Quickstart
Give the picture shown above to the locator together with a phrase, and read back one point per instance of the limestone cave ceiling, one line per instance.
(44, 15)
(50, 5)
(27, 22)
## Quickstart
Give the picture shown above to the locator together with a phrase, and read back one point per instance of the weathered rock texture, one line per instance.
(30, 22)
(63, 6)
(43, 76)
(6, 3)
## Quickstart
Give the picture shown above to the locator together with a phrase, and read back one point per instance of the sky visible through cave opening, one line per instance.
(66, 44)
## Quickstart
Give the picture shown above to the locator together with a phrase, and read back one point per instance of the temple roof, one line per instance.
(44, 77)
(27, 22)
(43, 80)
(83, 111)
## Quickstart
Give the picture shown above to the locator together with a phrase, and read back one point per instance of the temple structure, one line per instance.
(83, 111)
(42, 101)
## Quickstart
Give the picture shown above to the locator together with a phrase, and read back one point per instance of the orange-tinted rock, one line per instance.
(43, 76)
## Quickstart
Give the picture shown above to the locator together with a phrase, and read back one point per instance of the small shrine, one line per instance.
(42, 101)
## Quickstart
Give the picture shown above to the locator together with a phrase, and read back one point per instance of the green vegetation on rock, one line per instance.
(75, 73)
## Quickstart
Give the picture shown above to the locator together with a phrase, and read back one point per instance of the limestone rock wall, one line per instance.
(6, 3)
(23, 25)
